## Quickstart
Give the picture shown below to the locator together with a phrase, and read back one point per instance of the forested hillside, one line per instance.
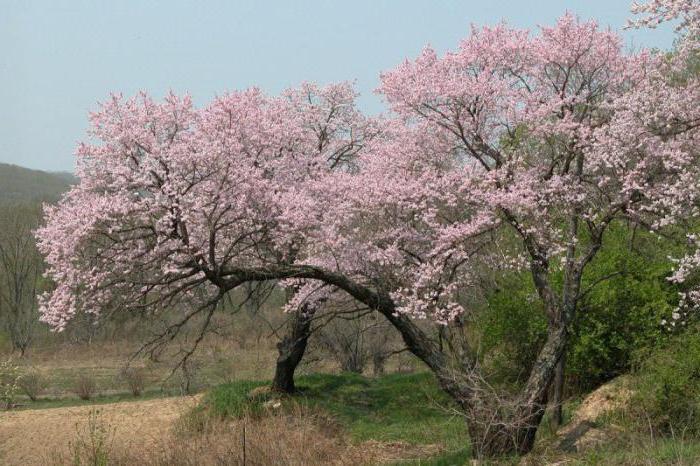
(19, 183)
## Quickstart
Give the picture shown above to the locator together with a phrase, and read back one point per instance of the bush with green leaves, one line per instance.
(10, 377)
(667, 387)
(510, 332)
(629, 297)
(626, 297)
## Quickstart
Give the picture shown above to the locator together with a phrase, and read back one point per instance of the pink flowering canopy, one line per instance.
(674, 93)
(171, 194)
(552, 137)
(546, 138)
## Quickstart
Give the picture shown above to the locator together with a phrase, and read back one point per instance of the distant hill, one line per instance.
(22, 184)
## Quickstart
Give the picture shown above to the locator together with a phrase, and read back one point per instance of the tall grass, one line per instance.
(296, 437)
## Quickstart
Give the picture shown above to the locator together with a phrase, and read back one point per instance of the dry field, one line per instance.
(34, 436)
(214, 363)
(151, 432)
(59, 429)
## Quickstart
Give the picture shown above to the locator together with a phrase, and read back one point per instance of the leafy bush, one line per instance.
(622, 312)
(9, 383)
(510, 331)
(626, 296)
(85, 386)
(667, 392)
(33, 384)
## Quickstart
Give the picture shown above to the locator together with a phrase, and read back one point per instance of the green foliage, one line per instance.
(641, 451)
(626, 296)
(629, 297)
(667, 389)
(10, 377)
(512, 328)
(397, 407)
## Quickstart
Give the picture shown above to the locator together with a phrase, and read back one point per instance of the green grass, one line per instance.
(642, 451)
(409, 408)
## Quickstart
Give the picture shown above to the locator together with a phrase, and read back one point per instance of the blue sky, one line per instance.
(59, 58)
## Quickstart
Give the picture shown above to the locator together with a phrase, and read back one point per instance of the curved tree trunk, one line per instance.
(505, 430)
(291, 350)
(558, 395)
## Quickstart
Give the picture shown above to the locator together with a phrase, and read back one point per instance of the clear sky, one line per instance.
(59, 58)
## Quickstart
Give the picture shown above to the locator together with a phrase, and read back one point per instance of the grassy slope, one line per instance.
(411, 408)
(642, 451)
(398, 407)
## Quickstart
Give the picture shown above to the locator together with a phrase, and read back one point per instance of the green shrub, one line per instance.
(667, 389)
(512, 328)
(620, 315)
(10, 378)
(626, 296)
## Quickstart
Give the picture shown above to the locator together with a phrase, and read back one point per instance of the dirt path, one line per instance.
(33, 437)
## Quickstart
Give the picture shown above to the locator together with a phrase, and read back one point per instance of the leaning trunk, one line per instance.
(506, 428)
(558, 395)
(494, 438)
(506, 431)
(291, 350)
(497, 428)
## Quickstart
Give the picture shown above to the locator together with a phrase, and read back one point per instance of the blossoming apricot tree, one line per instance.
(515, 150)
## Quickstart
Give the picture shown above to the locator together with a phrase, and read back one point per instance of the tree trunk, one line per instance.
(558, 395)
(510, 429)
(291, 350)
(502, 438)
(499, 427)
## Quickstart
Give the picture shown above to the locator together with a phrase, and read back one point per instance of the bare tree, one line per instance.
(20, 271)
(356, 337)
